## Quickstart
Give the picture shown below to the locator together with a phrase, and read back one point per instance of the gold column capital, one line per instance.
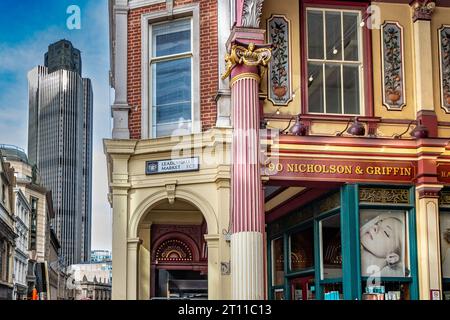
(423, 9)
(251, 55)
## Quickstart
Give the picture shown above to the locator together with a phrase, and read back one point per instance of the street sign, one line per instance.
(172, 165)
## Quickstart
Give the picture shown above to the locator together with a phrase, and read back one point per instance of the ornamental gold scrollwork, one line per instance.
(444, 199)
(252, 56)
(384, 196)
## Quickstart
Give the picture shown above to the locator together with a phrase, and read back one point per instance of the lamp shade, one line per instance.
(357, 128)
(299, 129)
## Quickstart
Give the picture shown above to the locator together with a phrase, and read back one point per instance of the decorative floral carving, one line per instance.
(280, 91)
(382, 195)
(393, 70)
(444, 41)
(253, 56)
(423, 9)
(251, 13)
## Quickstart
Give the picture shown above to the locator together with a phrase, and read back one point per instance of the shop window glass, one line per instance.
(334, 61)
(330, 248)
(278, 262)
(384, 245)
(302, 249)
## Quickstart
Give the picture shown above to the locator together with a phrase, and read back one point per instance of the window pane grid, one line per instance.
(334, 53)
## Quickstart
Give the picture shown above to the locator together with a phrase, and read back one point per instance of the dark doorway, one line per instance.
(181, 284)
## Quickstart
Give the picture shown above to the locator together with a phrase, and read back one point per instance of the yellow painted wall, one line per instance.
(291, 10)
(441, 17)
(400, 13)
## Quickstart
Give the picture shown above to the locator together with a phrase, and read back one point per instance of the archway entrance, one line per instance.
(177, 261)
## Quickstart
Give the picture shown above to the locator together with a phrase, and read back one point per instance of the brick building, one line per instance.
(280, 149)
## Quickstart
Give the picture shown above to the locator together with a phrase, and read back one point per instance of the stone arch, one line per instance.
(154, 199)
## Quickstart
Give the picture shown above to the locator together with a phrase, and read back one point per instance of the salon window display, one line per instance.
(384, 245)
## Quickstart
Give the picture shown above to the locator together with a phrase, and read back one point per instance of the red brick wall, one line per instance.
(208, 62)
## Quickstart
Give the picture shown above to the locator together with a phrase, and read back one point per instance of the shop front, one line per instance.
(444, 217)
(444, 227)
(357, 242)
(350, 224)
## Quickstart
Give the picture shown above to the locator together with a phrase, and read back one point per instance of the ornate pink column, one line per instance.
(245, 63)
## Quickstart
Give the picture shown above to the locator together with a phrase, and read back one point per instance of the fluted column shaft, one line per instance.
(248, 213)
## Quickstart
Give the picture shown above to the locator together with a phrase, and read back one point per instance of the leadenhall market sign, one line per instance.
(172, 165)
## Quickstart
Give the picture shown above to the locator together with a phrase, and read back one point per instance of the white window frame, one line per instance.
(341, 62)
(147, 20)
(166, 58)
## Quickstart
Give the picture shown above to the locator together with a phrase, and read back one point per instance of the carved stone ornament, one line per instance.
(170, 189)
(444, 55)
(253, 56)
(423, 9)
(251, 13)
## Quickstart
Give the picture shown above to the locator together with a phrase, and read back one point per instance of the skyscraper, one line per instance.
(60, 144)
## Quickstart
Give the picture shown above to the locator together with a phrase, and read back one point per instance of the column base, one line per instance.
(247, 266)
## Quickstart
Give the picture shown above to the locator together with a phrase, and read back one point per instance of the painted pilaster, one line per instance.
(422, 11)
(428, 241)
(119, 244)
(132, 268)
(144, 263)
(223, 98)
(118, 154)
(223, 197)
(243, 65)
(120, 109)
(427, 220)
(214, 278)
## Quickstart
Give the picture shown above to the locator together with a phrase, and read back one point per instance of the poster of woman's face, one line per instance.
(383, 243)
(445, 243)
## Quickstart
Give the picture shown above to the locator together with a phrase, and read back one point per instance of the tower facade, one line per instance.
(60, 144)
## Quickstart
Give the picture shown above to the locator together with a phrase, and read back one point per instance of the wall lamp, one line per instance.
(420, 131)
(299, 129)
(355, 129)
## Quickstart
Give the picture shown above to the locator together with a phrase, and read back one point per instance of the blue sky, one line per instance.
(27, 27)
